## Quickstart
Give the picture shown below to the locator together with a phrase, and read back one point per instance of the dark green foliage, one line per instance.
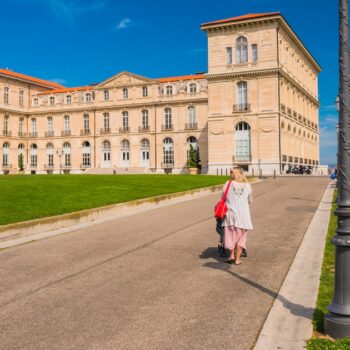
(198, 159)
(192, 158)
(20, 162)
(326, 344)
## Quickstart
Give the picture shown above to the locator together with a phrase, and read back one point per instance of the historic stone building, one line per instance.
(256, 107)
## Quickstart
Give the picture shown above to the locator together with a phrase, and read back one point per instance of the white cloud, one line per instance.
(124, 23)
(328, 137)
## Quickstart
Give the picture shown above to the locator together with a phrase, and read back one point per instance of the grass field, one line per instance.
(31, 197)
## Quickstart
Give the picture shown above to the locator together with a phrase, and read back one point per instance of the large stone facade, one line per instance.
(256, 107)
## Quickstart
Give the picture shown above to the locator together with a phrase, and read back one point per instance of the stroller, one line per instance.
(221, 248)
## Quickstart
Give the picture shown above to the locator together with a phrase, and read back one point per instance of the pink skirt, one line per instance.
(233, 236)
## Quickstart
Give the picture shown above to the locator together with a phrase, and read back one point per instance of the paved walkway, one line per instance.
(155, 282)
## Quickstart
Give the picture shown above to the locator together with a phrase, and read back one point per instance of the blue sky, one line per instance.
(78, 42)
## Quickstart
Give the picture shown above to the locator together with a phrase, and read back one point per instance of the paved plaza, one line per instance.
(155, 280)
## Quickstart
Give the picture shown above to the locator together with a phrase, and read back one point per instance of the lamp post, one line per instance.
(337, 321)
(60, 154)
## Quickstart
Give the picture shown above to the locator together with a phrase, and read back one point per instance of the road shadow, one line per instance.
(219, 264)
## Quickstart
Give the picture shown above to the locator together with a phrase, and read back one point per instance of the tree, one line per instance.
(198, 159)
(191, 163)
(20, 162)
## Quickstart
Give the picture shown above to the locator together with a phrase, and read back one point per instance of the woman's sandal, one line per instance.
(230, 261)
(238, 263)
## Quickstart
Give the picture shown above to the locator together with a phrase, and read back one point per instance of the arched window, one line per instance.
(125, 153)
(33, 155)
(21, 148)
(106, 145)
(106, 154)
(6, 95)
(144, 144)
(168, 119)
(191, 141)
(144, 152)
(242, 49)
(242, 138)
(192, 117)
(67, 154)
(125, 144)
(106, 126)
(68, 99)
(193, 88)
(49, 154)
(21, 98)
(169, 90)
(294, 130)
(5, 154)
(288, 129)
(106, 95)
(242, 96)
(168, 152)
(52, 101)
(86, 154)
(282, 126)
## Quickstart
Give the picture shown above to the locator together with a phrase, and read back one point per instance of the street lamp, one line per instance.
(60, 154)
(337, 321)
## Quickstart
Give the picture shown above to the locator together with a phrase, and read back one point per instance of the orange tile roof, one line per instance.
(59, 91)
(184, 77)
(29, 78)
(243, 17)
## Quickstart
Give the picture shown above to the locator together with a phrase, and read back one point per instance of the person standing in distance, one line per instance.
(237, 221)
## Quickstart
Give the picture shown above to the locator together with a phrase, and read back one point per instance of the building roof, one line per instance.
(243, 17)
(183, 77)
(60, 91)
(30, 79)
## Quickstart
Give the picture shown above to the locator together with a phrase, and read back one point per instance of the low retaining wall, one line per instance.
(38, 226)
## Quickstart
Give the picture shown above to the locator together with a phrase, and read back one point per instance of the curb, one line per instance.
(27, 231)
(288, 325)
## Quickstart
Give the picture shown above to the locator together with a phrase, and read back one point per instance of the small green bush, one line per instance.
(192, 158)
(326, 344)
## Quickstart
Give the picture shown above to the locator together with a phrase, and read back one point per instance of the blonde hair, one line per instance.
(238, 175)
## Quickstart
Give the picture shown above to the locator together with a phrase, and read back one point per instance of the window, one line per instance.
(242, 49)
(144, 91)
(168, 118)
(191, 116)
(20, 126)
(192, 141)
(242, 138)
(5, 154)
(88, 97)
(86, 123)
(106, 95)
(6, 95)
(21, 98)
(35, 102)
(242, 95)
(254, 52)
(193, 88)
(125, 120)
(49, 125)
(125, 153)
(67, 154)
(144, 144)
(49, 154)
(33, 155)
(66, 125)
(125, 93)
(6, 125)
(86, 154)
(68, 99)
(52, 101)
(34, 132)
(145, 119)
(144, 152)
(228, 55)
(169, 90)
(106, 121)
(168, 151)
(125, 144)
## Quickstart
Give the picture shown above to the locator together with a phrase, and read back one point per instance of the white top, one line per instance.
(239, 196)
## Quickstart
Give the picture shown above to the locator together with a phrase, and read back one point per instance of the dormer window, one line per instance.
(169, 90)
(68, 99)
(52, 101)
(35, 102)
(88, 97)
(144, 91)
(193, 88)
(106, 95)
(125, 93)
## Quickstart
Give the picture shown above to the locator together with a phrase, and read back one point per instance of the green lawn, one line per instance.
(325, 292)
(30, 197)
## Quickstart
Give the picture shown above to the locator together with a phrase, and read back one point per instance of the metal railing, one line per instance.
(144, 128)
(49, 166)
(49, 133)
(6, 133)
(85, 132)
(241, 107)
(105, 131)
(22, 134)
(84, 166)
(65, 133)
(191, 126)
(167, 127)
(33, 134)
(124, 129)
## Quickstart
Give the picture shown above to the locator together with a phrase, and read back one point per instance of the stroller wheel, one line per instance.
(244, 253)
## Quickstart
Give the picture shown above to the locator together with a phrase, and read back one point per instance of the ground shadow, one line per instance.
(295, 309)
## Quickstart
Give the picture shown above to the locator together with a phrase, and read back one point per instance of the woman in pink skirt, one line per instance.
(237, 221)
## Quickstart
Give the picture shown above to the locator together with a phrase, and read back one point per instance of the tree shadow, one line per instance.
(295, 309)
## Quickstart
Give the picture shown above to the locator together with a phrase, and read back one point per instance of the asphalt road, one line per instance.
(154, 281)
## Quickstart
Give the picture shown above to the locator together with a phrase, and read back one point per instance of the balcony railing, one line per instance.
(167, 127)
(22, 134)
(104, 131)
(144, 128)
(66, 166)
(65, 133)
(49, 133)
(191, 126)
(7, 166)
(85, 132)
(240, 158)
(241, 107)
(124, 129)
(49, 166)
(85, 166)
(33, 134)
(6, 133)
